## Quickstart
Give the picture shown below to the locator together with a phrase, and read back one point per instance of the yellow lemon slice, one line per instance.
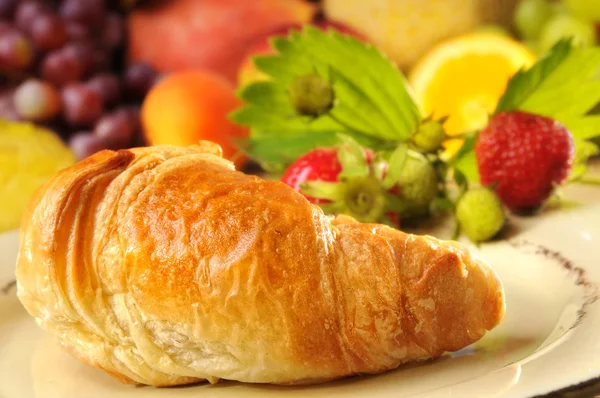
(29, 155)
(463, 78)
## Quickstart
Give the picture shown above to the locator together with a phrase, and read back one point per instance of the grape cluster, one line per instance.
(61, 65)
(541, 23)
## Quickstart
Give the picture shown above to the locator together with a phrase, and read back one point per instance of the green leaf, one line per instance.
(461, 181)
(467, 165)
(525, 83)
(372, 99)
(572, 89)
(467, 146)
(585, 128)
(577, 172)
(584, 150)
(464, 161)
(266, 94)
(396, 166)
(276, 124)
(274, 153)
(323, 190)
(351, 157)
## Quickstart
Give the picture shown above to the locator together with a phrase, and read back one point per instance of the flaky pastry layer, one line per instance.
(165, 266)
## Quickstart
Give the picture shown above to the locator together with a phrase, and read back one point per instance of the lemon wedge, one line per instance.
(29, 155)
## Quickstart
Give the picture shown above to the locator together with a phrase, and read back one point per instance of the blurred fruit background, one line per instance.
(111, 74)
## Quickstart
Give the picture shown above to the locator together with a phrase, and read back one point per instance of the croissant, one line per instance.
(165, 266)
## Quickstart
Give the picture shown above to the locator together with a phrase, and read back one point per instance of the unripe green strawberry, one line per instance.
(418, 184)
(429, 136)
(480, 214)
(311, 95)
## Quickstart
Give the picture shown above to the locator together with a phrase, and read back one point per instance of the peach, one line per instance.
(207, 34)
(188, 106)
(248, 73)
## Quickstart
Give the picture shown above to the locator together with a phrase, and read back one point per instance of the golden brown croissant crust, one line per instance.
(164, 266)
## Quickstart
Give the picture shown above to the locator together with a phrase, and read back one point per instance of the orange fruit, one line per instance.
(463, 78)
(189, 106)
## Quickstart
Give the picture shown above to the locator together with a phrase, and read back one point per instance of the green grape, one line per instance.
(585, 9)
(530, 17)
(36, 100)
(564, 26)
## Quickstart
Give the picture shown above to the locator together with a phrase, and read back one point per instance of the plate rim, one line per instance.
(577, 387)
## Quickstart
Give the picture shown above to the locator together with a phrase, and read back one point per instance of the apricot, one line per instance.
(189, 106)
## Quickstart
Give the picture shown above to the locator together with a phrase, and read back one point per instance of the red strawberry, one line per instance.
(360, 195)
(523, 156)
(318, 165)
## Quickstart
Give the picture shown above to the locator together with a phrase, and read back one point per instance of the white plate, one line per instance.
(550, 267)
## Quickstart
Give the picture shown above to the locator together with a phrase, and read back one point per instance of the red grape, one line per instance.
(26, 12)
(84, 52)
(134, 114)
(7, 8)
(113, 32)
(48, 31)
(108, 86)
(137, 79)
(16, 51)
(81, 105)
(71, 48)
(61, 68)
(7, 108)
(101, 59)
(85, 144)
(89, 12)
(77, 31)
(36, 100)
(115, 129)
(6, 27)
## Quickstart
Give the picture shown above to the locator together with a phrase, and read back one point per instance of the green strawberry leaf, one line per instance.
(372, 99)
(462, 182)
(323, 190)
(352, 157)
(585, 128)
(464, 161)
(467, 165)
(577, 172)
(396, 163)
(526, 83)
(584, 150)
